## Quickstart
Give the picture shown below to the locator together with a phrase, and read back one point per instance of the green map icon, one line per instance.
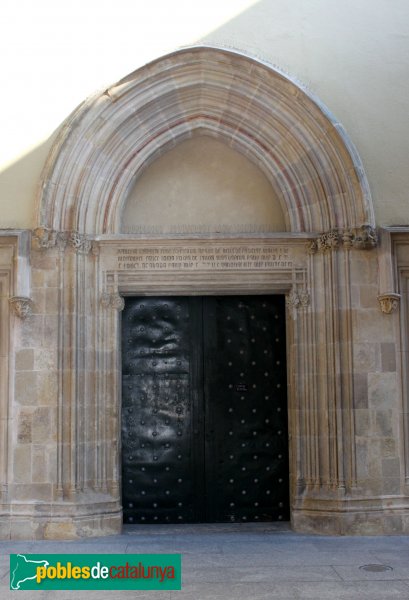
(24, 570)
(95, 571)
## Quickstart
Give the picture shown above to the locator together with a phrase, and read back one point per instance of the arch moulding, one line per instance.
(257, 110)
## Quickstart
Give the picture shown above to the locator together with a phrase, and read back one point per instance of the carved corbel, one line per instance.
(389, 302)
(22, 306)
(388, 299)
(113, 300)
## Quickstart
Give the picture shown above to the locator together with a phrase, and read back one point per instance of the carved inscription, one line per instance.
(240, 257)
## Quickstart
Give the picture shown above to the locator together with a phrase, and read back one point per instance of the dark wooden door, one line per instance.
(204, 415)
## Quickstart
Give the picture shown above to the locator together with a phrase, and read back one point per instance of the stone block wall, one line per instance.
(377, 398)
(36, 389)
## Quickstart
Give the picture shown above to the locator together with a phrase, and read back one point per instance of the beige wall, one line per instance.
(204, 184)
(353, 55)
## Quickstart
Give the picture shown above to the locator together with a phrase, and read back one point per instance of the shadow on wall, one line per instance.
(19, 186)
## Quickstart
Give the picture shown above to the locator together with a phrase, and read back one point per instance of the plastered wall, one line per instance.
(202, 184)
(353, 55)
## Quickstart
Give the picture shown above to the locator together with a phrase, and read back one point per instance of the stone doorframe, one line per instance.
(317, 175)
(313, 273)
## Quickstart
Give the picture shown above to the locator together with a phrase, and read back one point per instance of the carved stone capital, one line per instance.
(61, 240)
(328, 241)
(324, 242)
(95, 248)
(304, 298)
(113, 300)
(22, 306)
(389, 302)
(80, 242)
(298, 299)
(364, 237)
(48, 238)
(312, 247)
(293, 300)
(45, 238)
(347, 238)
(361, 238)
(105, 299)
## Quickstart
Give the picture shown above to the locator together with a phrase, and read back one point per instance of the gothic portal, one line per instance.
(203, 190)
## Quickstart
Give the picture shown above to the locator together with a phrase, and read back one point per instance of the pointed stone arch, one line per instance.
(253, 107)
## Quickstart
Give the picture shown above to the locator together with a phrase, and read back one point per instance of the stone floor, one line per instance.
(243, 562)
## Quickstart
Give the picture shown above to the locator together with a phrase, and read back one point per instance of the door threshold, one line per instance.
(207, 528)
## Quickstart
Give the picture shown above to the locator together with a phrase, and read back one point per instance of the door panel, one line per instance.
(245, 408)
(204, 419)
(160, 444)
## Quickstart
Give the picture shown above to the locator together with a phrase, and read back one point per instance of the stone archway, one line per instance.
(111, 138)
(317, 176)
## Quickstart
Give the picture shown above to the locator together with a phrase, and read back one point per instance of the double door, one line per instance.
(204, 415)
